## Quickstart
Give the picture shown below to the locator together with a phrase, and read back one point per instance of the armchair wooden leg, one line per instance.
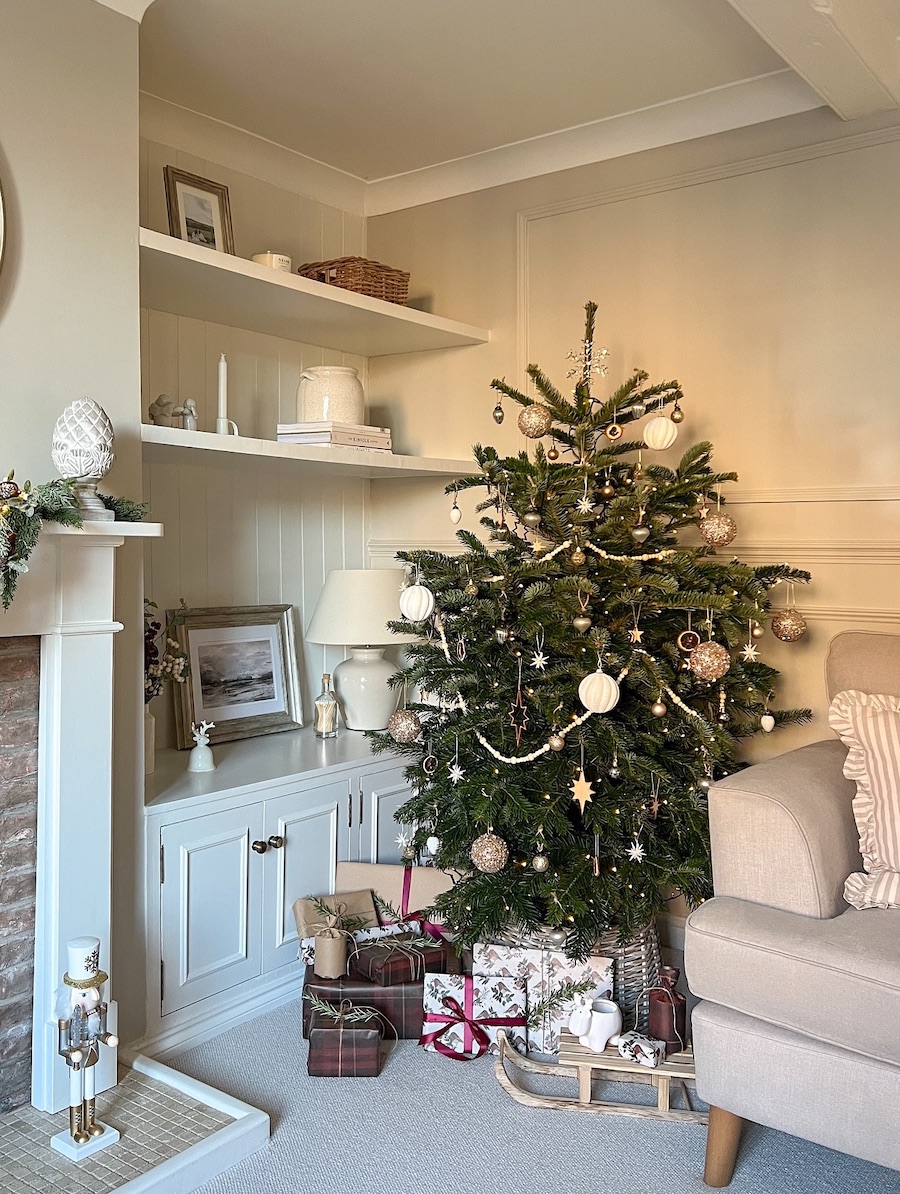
(723, 1135)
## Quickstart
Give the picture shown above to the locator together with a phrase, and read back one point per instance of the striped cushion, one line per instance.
(870, 726)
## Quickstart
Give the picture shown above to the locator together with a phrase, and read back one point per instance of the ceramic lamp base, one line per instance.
(361, 686)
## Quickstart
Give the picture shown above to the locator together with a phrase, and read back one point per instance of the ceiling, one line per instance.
(382, 88)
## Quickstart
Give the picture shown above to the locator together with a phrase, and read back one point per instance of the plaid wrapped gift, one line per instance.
(344, 1048)
(401, 1006)
(401, 959)
(543, 971)
(463, 1013)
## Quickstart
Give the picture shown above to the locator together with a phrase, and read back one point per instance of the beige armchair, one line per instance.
(799, 1024)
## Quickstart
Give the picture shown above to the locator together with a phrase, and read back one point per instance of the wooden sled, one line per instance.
(577, 1062)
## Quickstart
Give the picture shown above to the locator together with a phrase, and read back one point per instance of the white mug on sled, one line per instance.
(606, 1024)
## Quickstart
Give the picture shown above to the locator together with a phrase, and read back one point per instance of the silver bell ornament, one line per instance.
(404, 726)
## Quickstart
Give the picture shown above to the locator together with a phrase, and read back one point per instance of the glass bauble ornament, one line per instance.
(417, 603)
(470, 589)
(540, 863)
(607, 490)
(767, 723)
(640, 534)
(582, 623)
(660, 433)
(599, 692)
(710, 661)
(498, 414)
(614, 772)
(531, 518)
(489, 853)
(553, 453)
(717, 529)
(535, 420)
(677, 415)
(638, 409)
(83, 440)
(613, 432)
(455, 512)
(757, 630)
(557, 937)
(578, 557)
(404, 726)
(556, 741)
(788, 625)
(659, 709)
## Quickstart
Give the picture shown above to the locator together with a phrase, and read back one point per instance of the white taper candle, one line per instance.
(223, 387)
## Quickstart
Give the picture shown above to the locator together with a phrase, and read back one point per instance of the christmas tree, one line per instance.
(583, 676)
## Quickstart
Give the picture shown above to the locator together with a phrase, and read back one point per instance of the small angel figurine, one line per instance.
(187, 413)
(161, 411)
(201, 757)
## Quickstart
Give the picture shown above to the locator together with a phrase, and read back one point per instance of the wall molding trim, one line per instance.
(815, 494)
(825, 551)
(386, 549)
(851, 615)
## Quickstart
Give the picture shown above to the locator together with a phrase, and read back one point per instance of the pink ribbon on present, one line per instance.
(427, 926)
(473, 1030)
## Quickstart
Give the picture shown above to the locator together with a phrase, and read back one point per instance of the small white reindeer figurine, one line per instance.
(201, 757)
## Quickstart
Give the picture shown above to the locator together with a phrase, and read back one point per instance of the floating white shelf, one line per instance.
(186, 279)
(169, 444)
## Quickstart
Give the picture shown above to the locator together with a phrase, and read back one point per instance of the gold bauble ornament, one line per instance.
(607, 490)
(717, 529)
(788, 625)
(489, 853)
(577, 557)
(640, 534)
(404, 726)
(677, 415)
(540, 863)
(535, 420)
(659, 709)
(471, 589)
(757, 631)
(582, 623)
(709, 661)
(556, 742)
(553, 453)
(531, 518)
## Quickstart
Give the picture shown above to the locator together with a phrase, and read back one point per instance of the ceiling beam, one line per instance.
(846, 51)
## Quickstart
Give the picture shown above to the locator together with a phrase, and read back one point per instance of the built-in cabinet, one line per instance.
(228, 852)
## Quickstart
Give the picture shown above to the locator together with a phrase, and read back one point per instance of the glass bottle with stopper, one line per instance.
(325, 716)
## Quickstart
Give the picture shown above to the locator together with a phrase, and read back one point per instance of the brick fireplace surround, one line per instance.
(19, 694)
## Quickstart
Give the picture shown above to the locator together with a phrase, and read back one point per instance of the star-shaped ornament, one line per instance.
(456, 772)
(654, 806)
(582, 790)
(636, 635)
(585, 506)
(518, 717)
(539, 660)
(636, 851)
(750, 653)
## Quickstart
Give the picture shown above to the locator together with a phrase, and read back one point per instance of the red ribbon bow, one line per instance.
(427, 926)
(473, 1030)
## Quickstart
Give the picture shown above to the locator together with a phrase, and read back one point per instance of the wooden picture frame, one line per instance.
(244, 675)
(199, 210)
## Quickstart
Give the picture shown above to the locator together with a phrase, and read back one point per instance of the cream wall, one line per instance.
(762, 269)
(69, 322)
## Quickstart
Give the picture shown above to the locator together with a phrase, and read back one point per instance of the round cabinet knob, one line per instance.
(259, 847)
(276, 841)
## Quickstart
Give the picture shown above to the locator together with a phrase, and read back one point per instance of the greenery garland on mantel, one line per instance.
(23, 511)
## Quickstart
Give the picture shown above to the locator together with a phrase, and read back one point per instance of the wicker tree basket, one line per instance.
(361, 276)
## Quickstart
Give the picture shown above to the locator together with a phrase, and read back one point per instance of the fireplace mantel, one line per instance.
(67, 597)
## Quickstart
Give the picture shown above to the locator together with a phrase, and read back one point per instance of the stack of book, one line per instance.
(344, 435)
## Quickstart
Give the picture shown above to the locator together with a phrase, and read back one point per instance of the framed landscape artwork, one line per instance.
(243, 677)
(199, 210)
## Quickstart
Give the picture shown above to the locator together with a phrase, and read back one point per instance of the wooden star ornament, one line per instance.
(582, 790)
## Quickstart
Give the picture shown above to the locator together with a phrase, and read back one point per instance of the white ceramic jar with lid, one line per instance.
(331, 393)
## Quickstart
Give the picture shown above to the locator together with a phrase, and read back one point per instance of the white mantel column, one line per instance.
(68, 599)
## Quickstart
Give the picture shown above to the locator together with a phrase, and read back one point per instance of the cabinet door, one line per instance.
(381, 794)
(211, 905)
(306, 832)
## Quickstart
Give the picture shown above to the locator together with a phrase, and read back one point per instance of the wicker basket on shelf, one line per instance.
(360, 275)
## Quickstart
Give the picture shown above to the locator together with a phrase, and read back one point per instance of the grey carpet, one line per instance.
(431, 1124)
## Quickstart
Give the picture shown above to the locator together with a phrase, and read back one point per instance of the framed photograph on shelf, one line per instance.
(244, 675)
(199, 210)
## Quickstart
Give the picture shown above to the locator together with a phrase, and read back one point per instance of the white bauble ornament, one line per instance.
(660, 433)
(455, 514)
(599, 692)
(83, 440)
(432, 844)
(767, 723)
(417, 603)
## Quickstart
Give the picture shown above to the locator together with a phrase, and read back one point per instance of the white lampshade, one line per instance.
(353, 611)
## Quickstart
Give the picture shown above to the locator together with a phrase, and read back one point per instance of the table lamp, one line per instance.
(353, 611)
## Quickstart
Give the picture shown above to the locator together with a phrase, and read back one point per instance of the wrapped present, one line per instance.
(330, 960)
(400, 1005)
(344, 1042)
(307, 952)
(354, 909)
(400, 959)
(544, 972)
(411, 890)
(463, 1014)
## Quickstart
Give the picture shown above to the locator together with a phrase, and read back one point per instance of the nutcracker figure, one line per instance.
(82, 1030)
